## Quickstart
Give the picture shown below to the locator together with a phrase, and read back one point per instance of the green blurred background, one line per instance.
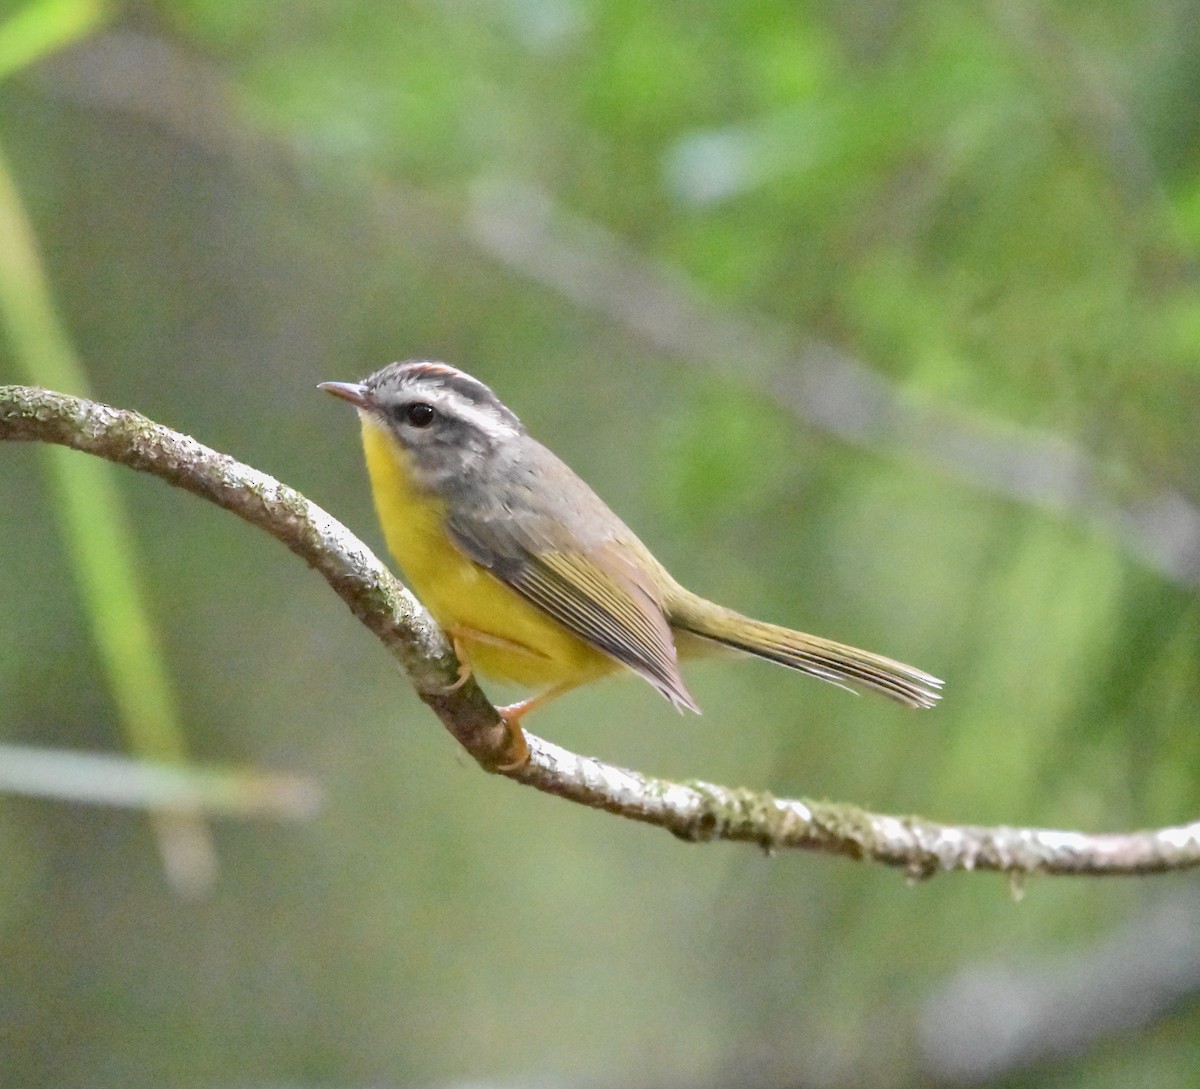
(879, 319)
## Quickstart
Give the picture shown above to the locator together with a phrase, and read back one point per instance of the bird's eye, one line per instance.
(417, 414)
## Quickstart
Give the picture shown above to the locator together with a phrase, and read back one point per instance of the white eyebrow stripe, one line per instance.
(460, 408)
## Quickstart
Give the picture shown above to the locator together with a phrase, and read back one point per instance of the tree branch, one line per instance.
(695, 811)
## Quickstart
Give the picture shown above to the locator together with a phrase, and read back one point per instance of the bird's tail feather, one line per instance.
(837, 663)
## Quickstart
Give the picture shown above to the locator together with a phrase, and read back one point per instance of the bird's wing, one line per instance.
(593, 591)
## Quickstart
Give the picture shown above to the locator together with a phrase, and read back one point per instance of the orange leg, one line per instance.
(513, 713)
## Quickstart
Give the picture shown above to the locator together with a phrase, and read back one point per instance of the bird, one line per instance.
(531, 575)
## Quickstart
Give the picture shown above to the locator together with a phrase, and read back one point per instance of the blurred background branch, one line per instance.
(105, 779)
(992, 1020)
(828, 389)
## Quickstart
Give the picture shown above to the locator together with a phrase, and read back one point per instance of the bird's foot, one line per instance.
(464, 666)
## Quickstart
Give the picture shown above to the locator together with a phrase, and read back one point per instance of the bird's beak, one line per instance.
(354, 392)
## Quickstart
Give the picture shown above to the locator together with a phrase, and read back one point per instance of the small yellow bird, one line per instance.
(531, 575)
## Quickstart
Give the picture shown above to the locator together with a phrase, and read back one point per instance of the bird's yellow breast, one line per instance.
(503, 634)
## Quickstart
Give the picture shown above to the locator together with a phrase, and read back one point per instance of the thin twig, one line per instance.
(692, 811)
